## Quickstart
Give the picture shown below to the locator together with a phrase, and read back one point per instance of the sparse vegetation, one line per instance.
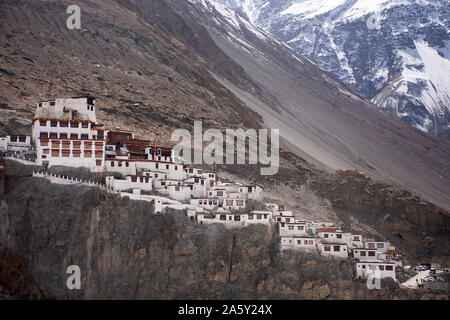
(352, 173)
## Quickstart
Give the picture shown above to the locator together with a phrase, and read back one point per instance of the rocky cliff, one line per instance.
(125, 252)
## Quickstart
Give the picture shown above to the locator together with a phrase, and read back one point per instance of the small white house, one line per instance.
(364, 253)
(338, 250)
(292, 229)
(379, 269)
(381, 246)
(301, 243)
(233, 219)
(130, 182)
(15, 143)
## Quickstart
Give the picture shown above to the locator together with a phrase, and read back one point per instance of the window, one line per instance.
(327, 248)
(63, 124)
(371, 253)
(167, 167)
(371, 246)
(339, 236)
(229, 202)
(43, 123)
(223, 217)
(177, 188)
(363, 266)
(337, 248)
(259, 216)
(84, 136)
(380, 245)
(88, 154)
(157, 165)
(112, 163)
(98, 163)
(219, 193)
(66, 153)
(52, 103)
(299, 227)
(389, 268)
(66, 144)
(127, 164)
(237, 218)
(63, 135)
(54, 123)
(363, 254)
(53, 135)
(291, 228)
(381, 267)
(250, 217)
(325, 235)
(85, 125)
(43, 135)
(74, 124)
(73, 136)
(299, 242)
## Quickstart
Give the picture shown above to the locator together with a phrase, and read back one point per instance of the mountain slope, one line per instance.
(160, 65)
(395, 61)
(320, 119)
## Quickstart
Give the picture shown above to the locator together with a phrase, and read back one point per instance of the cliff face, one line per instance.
(126, 252)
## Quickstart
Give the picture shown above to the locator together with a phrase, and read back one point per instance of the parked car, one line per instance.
(440, 279)
(420, 268)
(428, 279)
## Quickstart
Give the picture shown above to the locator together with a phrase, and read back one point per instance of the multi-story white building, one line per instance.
(65, 133)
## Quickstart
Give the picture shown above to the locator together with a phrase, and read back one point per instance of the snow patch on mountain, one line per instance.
(401, 66)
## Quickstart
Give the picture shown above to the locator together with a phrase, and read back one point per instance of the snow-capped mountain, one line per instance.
(394, 52)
